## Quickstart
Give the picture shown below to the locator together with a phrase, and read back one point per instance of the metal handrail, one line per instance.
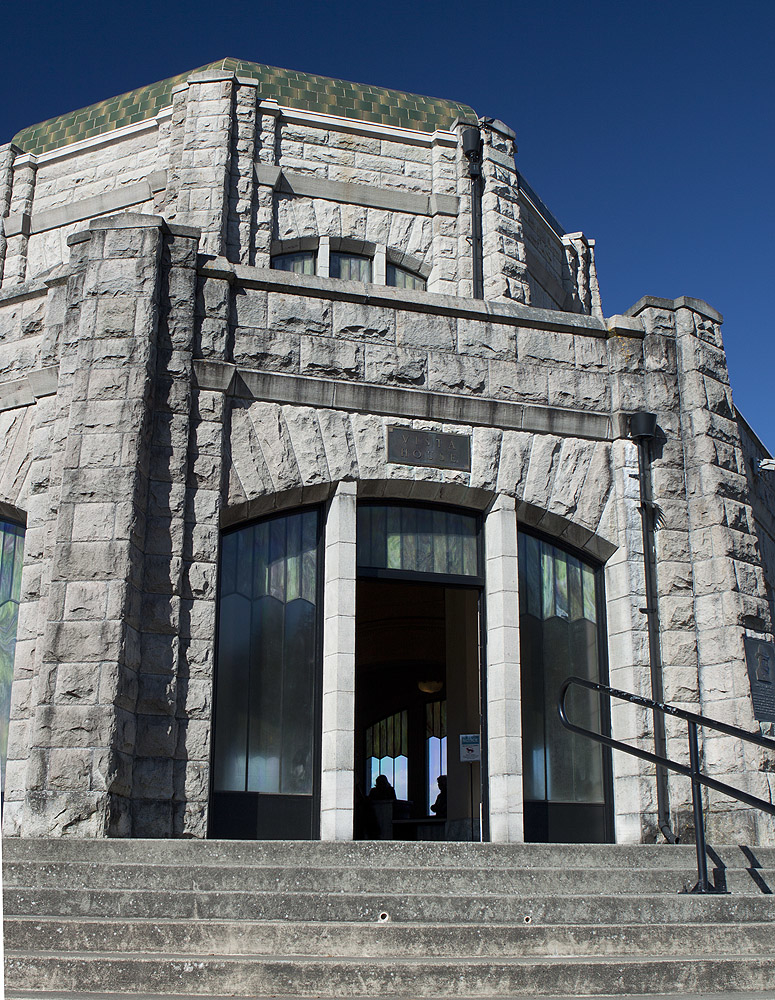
(692, 771)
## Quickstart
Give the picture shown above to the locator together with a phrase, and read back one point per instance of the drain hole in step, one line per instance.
(383, 917)
(528, 919)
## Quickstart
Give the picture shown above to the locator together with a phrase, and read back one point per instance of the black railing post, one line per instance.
(699, 821)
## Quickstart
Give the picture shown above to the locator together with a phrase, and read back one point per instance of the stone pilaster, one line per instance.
(269, 114)
(242, 204)
(17, 225)
(446, 264)
(503, 249)
(337, 775)
(504, 720)
(82, 734)
(177, 599)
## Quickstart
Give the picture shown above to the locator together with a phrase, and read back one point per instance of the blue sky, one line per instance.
(648, 125)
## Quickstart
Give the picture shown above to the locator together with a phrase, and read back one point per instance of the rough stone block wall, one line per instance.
(761, 483)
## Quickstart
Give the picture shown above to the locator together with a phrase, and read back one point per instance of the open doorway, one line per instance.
(417, 691)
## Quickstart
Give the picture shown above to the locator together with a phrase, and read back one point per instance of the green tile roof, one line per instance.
(304, 91)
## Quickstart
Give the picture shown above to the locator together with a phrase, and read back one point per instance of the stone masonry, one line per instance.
(159, 382)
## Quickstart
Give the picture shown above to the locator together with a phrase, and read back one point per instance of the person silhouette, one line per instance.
(439, 807)
(382, 791)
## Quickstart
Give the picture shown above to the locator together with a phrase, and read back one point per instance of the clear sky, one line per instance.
(648, 125)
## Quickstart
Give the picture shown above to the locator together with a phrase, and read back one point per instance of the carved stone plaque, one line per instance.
(407, 446)
(760, 657)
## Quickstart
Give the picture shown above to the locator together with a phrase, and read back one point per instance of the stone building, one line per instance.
(316, 465)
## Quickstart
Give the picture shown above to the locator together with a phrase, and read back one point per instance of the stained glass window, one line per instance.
(350, 267)
(558, 638)
(417, 540)
(11, 547)
(267, 655)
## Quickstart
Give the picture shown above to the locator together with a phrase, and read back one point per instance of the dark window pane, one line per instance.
(265, 677)
(400, 277)
(11, 551)
(558, 638)
(298, 263)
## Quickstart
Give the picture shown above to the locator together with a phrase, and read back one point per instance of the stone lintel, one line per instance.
(389, 401)
(682, 302)
(8, 512)
(110, 201)
(347, 193)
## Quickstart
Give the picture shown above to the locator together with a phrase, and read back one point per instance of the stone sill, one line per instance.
(513, 313)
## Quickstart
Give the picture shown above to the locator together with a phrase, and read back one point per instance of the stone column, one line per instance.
(242, 204)
(504, 720)
(17, 225)
(200, 162)
(338, 727)
(730, 599)
(7, 155)
(503, 248)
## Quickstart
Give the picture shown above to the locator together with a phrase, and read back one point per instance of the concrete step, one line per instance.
(395, 977)
(402, 907)
(301, 878)
(359, 940)
(368, 854)
(12, 994)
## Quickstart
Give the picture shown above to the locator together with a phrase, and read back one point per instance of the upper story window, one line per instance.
(350, 267)
(401, 277)
(298, 263)
(350, 260)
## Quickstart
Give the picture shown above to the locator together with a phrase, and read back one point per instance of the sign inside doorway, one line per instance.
(470, 748)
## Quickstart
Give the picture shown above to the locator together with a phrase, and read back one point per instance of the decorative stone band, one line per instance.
(304, 185)
(87, 208)
(25, 391)
(419, 404)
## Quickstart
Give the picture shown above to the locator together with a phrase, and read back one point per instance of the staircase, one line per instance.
(178, 919)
